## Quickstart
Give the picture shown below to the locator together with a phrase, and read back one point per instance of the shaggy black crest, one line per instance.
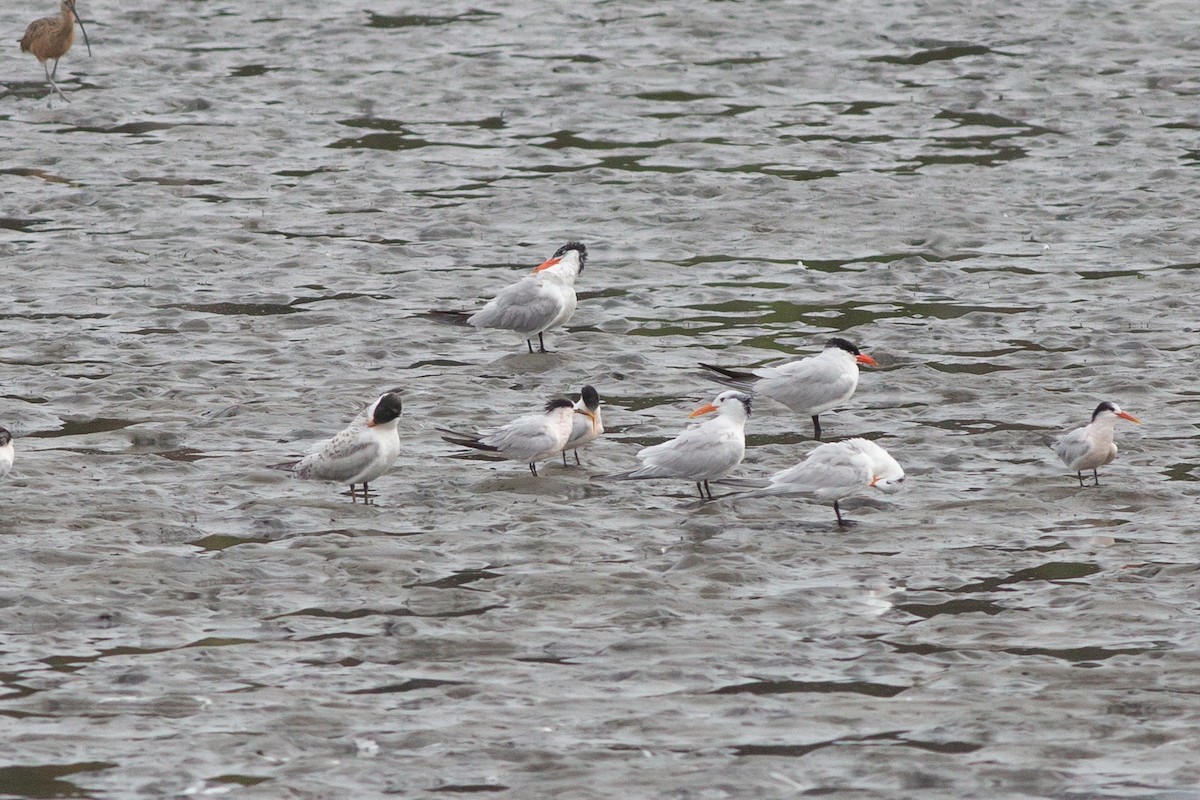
(558, 402)
(844, 344)
(591, 398)
(5, 437)
(1105, 406)
(388, 408)
(562, 251)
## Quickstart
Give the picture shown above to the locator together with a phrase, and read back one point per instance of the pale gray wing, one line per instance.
(830, 472)
(1073, 447)
(700, 453)
(524, 438)
(810, 385)
(527, 307)
(886, 472)
(340, 458)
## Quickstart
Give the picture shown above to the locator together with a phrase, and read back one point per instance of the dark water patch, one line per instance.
(777, 171)
(674, 96)
(218, 542)
(129, 128)
(411, 685)
(392, 21)
(947, 52)
(359, 613)
(304, 173)
(1080, 656)
(251, 71)
(470, 788)
(389, 141)
(240, 780)
(239, 309)
(153, 331)
(818, 687)
(997, 156)
(458, 579)
(551, 660)
(835, 265)
(17, 690)
(1105, 274)
(953, 607)
(83, 427)
(987, 120)
(174, 181)
(21, 224)
(570, 140)
(45, 780)
(892, 738)
(34, 172)
(302, 301)
(1185, 471)
(1052, 571)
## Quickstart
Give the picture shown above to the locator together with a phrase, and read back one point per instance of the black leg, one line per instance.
(700, 490)
(533, 468)
(1080, 476)
(1096, 475)
(709, 489)
(838, 512)
(529, 344)
(564, 454)
(577, 461)
(353, 497)
(816, 427)
(541, 344)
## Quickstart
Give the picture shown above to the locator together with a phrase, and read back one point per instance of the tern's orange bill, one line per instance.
(707, 408)
(863, 358)
(547, 264)
(1130, 417)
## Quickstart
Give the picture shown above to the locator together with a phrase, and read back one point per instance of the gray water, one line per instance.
(229, 241)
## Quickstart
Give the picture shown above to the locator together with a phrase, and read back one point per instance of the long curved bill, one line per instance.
(85, 38)
(707, 408)
(1130, 417)
(863, 358)
(547, 264)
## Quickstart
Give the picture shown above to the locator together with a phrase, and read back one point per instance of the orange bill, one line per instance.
(707, 408)
(547, 264)
(1130, 417)
(863, 358)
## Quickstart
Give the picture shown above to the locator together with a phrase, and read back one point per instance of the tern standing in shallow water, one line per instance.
(835, 471)
(1092, 446)
(809, 386)
(360, 453)
(532, 438)
(702, 453)
(7, 452)
(588, 425)
(537, 303)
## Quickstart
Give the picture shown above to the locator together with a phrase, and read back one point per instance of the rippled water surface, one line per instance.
(231, 239)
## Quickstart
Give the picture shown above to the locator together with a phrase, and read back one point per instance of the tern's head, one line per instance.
(728, 402)
(557, 403)
(1107, 409)
(384, 410)
(570, 254)
(5, 437)
(590, 397)
(886, 473)
(848, 346)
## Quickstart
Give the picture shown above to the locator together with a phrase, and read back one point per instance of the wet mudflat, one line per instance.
(229, 241)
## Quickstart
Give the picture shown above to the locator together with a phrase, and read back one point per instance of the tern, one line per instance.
(536, 303)
(532, 438)
(360, 453)
(835, 471)
(7, 452)
(702, 453)
(1092, 446)
(809, 386)
(587, 426)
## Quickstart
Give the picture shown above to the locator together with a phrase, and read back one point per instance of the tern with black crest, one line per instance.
(1092, 446)
(532, 438)
(360, 453)
(702, 453)
(588, 425)
(809, 386)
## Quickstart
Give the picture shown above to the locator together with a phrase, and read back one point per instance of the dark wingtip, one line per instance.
(5, 436)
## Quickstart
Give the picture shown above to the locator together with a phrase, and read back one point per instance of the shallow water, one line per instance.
(229, 242)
